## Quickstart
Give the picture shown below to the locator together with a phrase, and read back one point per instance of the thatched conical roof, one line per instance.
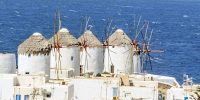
(63, 38)
(118, 37)
(90, 39)
(35, 44)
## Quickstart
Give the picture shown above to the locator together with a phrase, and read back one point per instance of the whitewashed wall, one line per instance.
(7, 63)
(136, 64)
(7, 82)
(33, 64)
(62, 93)
(176, 94)
(94, 62)
(138, 93)
(94, 89)
(120, 56)
(70, 59)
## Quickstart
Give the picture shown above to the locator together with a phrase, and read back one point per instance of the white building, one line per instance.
(98, 88)
(34, 87)
(91, 53)
(145, 92)
(7, 63)
(33, 55)
(7, 86)
(118, 53)
(122, 87)
(65, 55)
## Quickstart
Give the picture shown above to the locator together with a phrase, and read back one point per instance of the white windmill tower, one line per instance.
(115, 60)
(7, 63)
(65, 54)
(91, 53)
(33, 55)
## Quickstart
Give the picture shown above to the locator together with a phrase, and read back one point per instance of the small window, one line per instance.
(48, 95)
(18, 97)
(112, 68)
(127, 94)
(26, 97)
(72, 58)
(81, 70)
(29, 55)
(115, 92)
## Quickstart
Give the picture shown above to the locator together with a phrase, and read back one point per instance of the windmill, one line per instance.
(65, 53)
(91, 48)
(140, 52)
(134, 51)
(115, 45)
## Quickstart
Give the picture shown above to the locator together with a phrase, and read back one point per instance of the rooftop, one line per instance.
(119, 37)
(63, 38)
(35, 44)
(89, 38)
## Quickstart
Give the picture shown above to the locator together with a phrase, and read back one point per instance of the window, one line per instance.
(26, 97)
(29, 55)
(48, 95)
(72, 58)
(127, 94)
(18, 97)
(81, 70)
(115, 92)
(112, 68)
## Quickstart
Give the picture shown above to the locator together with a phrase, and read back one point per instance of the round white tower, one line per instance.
(7, 63)
(65, 54)
(117, 57)
(91, 53)
(33, 55)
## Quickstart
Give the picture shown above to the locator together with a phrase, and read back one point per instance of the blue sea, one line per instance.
(176, 25)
